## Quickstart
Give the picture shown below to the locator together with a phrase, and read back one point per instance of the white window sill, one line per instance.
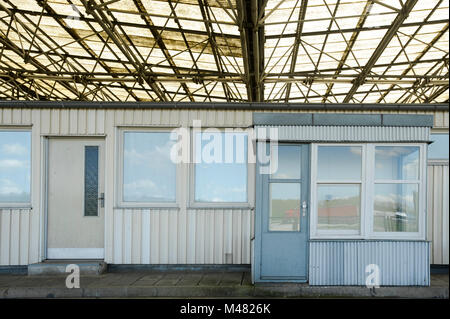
(219, 206)
(385, 238)
(12, 207)
(143, 207)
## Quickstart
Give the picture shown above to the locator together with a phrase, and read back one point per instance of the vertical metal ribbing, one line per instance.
(401, 263)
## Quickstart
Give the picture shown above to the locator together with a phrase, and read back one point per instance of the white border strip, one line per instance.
(75, 253)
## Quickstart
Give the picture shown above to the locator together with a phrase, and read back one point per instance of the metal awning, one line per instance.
(279, 51)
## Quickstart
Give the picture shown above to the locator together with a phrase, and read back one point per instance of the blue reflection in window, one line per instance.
(149, 175)
(221, 169)
(397, 162)
(15, 167)
(439, 148)
(339, 162)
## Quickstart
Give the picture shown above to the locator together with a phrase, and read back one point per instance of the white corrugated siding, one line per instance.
(351, 133)
(170, 236)
(21, 233)
(14, 236)
(438, 212)
(401, 263)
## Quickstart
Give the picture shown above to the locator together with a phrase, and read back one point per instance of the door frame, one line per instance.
(259, 206)
(45, 182)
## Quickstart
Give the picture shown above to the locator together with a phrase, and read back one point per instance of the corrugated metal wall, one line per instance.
(350, 133)
(127, 239)
(438, 212)
(15, 236)
(207, 236)
(401, 263)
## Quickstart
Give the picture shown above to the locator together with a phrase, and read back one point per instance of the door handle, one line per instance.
(304, 206)
(102, 200)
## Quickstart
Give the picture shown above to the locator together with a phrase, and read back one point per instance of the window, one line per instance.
(439, 148)
(339, 178)
(15, 168)
(285, 190)
(368, 191)
(396, 198)
(148, 173)
(220, 167)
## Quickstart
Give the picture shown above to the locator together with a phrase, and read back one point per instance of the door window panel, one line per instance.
(91, 181)
(284, 211)
(288, 162)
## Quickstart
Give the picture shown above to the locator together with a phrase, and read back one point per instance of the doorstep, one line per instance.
(59, 267)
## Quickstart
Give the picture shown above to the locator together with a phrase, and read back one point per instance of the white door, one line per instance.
(76, 214)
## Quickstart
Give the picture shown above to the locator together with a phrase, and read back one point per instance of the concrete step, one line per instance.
(59, 267)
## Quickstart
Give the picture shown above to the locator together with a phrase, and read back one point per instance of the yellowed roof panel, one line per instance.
(347, 51)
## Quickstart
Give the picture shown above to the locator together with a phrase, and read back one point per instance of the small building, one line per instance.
(317, 193)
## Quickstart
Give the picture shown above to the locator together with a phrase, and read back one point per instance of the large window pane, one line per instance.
(284, 214)
(439, 148)
(149, 175)
(288, 162)
(221, 169)
(339, 163)
(396, 208)
(397, 162)
(15, 166)
(338, 207)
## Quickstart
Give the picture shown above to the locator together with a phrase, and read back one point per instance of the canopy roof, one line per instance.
(316, 51)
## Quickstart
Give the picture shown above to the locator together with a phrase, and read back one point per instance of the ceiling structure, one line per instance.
(302, 51)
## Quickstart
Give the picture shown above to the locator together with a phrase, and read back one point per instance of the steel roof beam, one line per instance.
(212, 42)
(235, 36)
(252, 38)
(350, 44)
(420, 56)
(301, 18)
(401, 17)
(160, 42)
(74, 35)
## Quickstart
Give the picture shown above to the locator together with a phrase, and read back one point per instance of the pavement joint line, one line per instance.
(158, 280)
(198, 281)
(179, 279)
(137, 279)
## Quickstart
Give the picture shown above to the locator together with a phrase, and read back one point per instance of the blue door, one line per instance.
(281, 247)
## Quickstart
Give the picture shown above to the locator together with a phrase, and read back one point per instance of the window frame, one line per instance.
(25, 205)
(367, 195)
(421, 182)
(336, 234)
(299, 181)
(192, 203)
(120, 166)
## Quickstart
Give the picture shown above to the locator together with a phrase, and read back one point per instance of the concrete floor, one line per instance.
(194, 284)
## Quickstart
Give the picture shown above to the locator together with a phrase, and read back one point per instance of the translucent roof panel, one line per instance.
(321, 51)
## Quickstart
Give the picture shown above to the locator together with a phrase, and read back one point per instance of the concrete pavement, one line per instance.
(194, 284)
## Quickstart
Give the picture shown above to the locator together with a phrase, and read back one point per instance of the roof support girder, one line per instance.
(401, 17)
(252, 39)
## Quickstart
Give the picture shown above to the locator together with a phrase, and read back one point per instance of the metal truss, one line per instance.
(300, 51)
